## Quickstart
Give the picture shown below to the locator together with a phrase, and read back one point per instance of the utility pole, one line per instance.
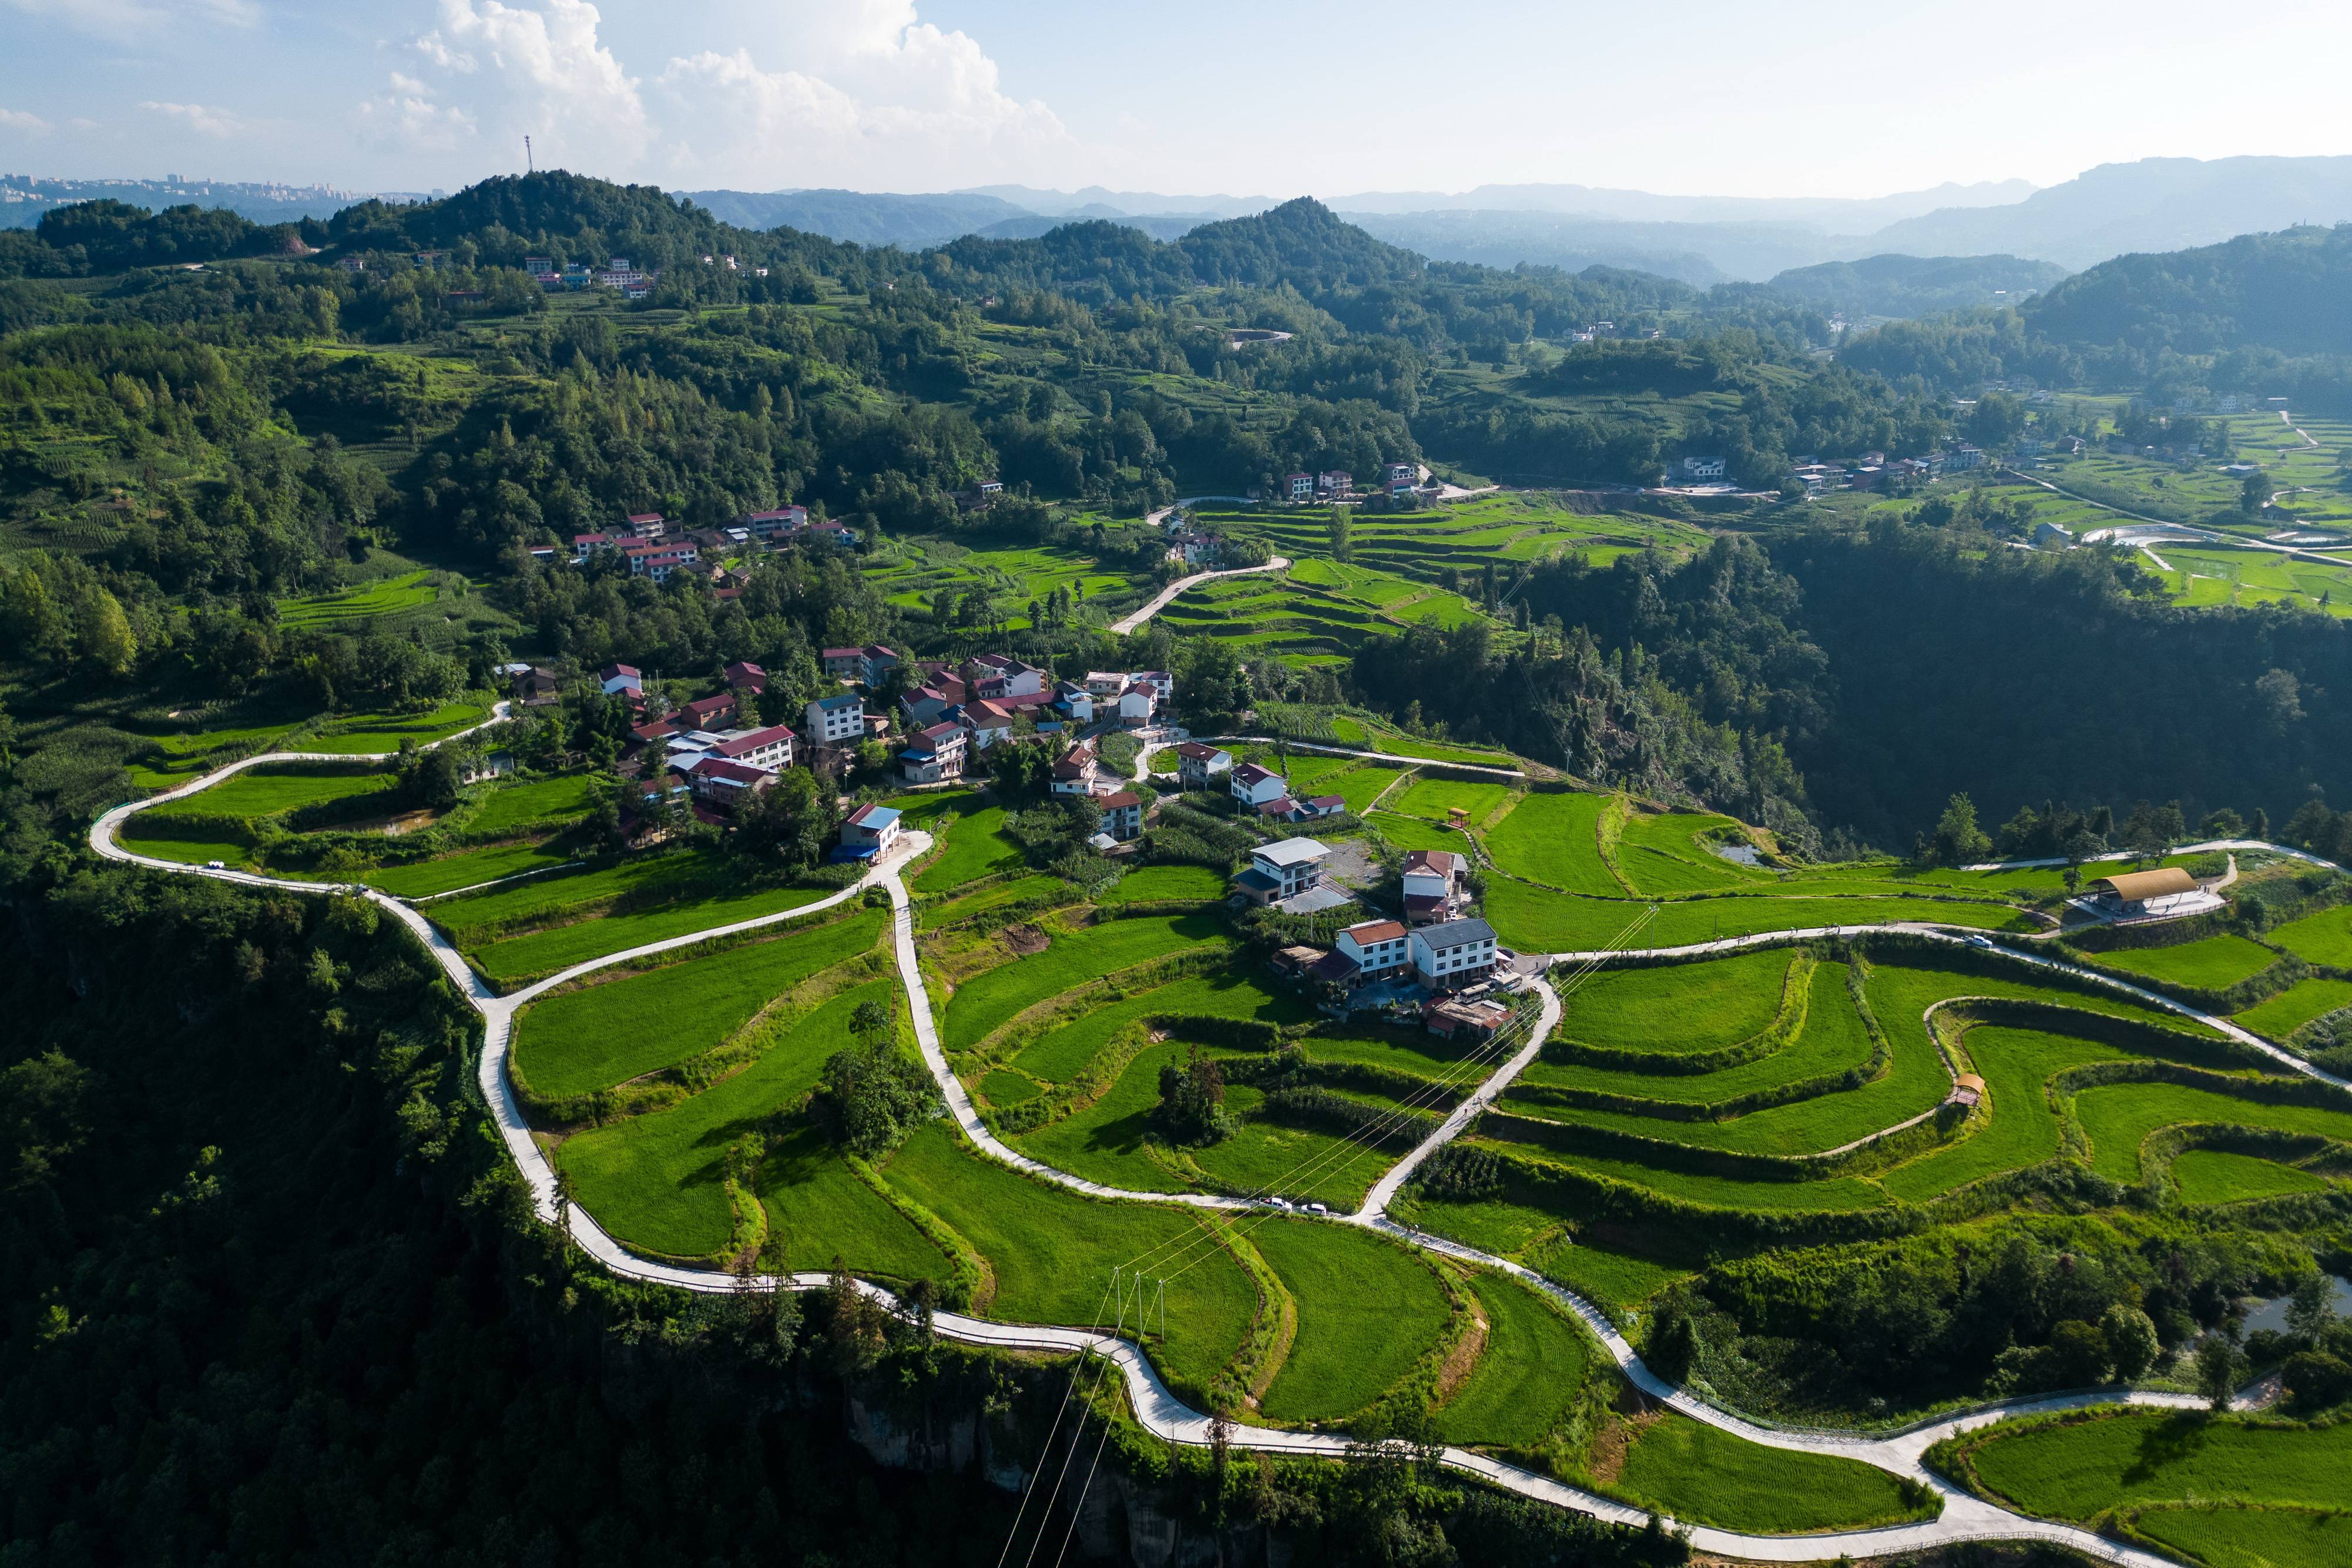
(529, 166)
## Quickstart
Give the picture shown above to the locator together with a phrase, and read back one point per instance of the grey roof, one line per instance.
(1257, 881)
(1457, 932)
(1290, 852)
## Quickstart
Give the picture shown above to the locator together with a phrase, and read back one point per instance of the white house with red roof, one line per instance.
(1077, 772)
(934, 755)
(776, 521)
(1200, 765)
(1378, 949)
(620, 678)
(1122, 815)
(1435, 886)
(721, 783)
(1254, 786)
(646, 525)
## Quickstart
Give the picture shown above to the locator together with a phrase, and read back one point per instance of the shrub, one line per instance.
(2316, 1380)
(1191, 1111)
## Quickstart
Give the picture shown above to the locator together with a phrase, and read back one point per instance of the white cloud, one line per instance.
(124, 18)
(19, 119)
(540, 71)
(843, 92)
(407, 119)
(204, 122)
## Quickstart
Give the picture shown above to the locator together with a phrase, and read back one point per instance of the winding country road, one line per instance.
(1167, 595)
(1962, 1517)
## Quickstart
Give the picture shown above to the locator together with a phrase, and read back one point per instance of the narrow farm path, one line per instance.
(1167, 595)
(1157, 1409)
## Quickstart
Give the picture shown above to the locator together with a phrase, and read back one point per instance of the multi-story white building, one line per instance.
(1457, 954)
(838, 720)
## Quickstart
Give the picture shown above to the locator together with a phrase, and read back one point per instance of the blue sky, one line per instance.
(1805, 97)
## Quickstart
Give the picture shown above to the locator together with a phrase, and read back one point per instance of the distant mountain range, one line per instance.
(2157, 203)
(2154, 204)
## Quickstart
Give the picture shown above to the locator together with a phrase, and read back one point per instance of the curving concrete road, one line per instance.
(1167, 595)
(1321, 750)
(1962, 1517)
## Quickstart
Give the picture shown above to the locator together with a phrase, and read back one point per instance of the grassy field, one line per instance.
(976, 847)
(1675, 1008)
(1553, 839)
(1052, 1251)
(1367, 1311)
(1832, 1040)
(606, 1033)
(1155, 883)
(2252, 1537)
(1436, 799)
(818, 1210)
(654, 1181)
(269, 790)
(2119, 1117)
(1061, 1054)
(1072, 959)
(1531, 1371)
(1417, 834)
(2215, 963)
(1660, 854)
(2216, 1175)
(2322, 938)
(1700, 1475)
(468, 868)
(2081, 1470)
(1534, 920)
(2021, 1129)
(515, 959)
(2279, 1015)
(511, 808)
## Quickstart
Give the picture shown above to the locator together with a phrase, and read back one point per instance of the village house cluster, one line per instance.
(1301, 488)
(652, 548)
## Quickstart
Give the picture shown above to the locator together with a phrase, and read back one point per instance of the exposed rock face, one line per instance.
(1116, 1518)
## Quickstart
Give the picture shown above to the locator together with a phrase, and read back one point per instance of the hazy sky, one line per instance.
(1246, 96)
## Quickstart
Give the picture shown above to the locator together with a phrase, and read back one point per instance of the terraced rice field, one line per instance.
(2216, 963)
(2119, 1117)
(1071, 959)
(654, 1180)
(1537, 920)
(1554, 840)
(2080, 1469)
(1367, 1311)
(1699, 1473)
(1530, 1374)
(2216, 1175)
(468, 868)
(2322, 938)
(387, 596)
(622, 1025)
(2278, 1017)
(271, 788)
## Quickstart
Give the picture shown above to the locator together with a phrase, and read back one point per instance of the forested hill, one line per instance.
(1917, 285)
(2289, 291)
